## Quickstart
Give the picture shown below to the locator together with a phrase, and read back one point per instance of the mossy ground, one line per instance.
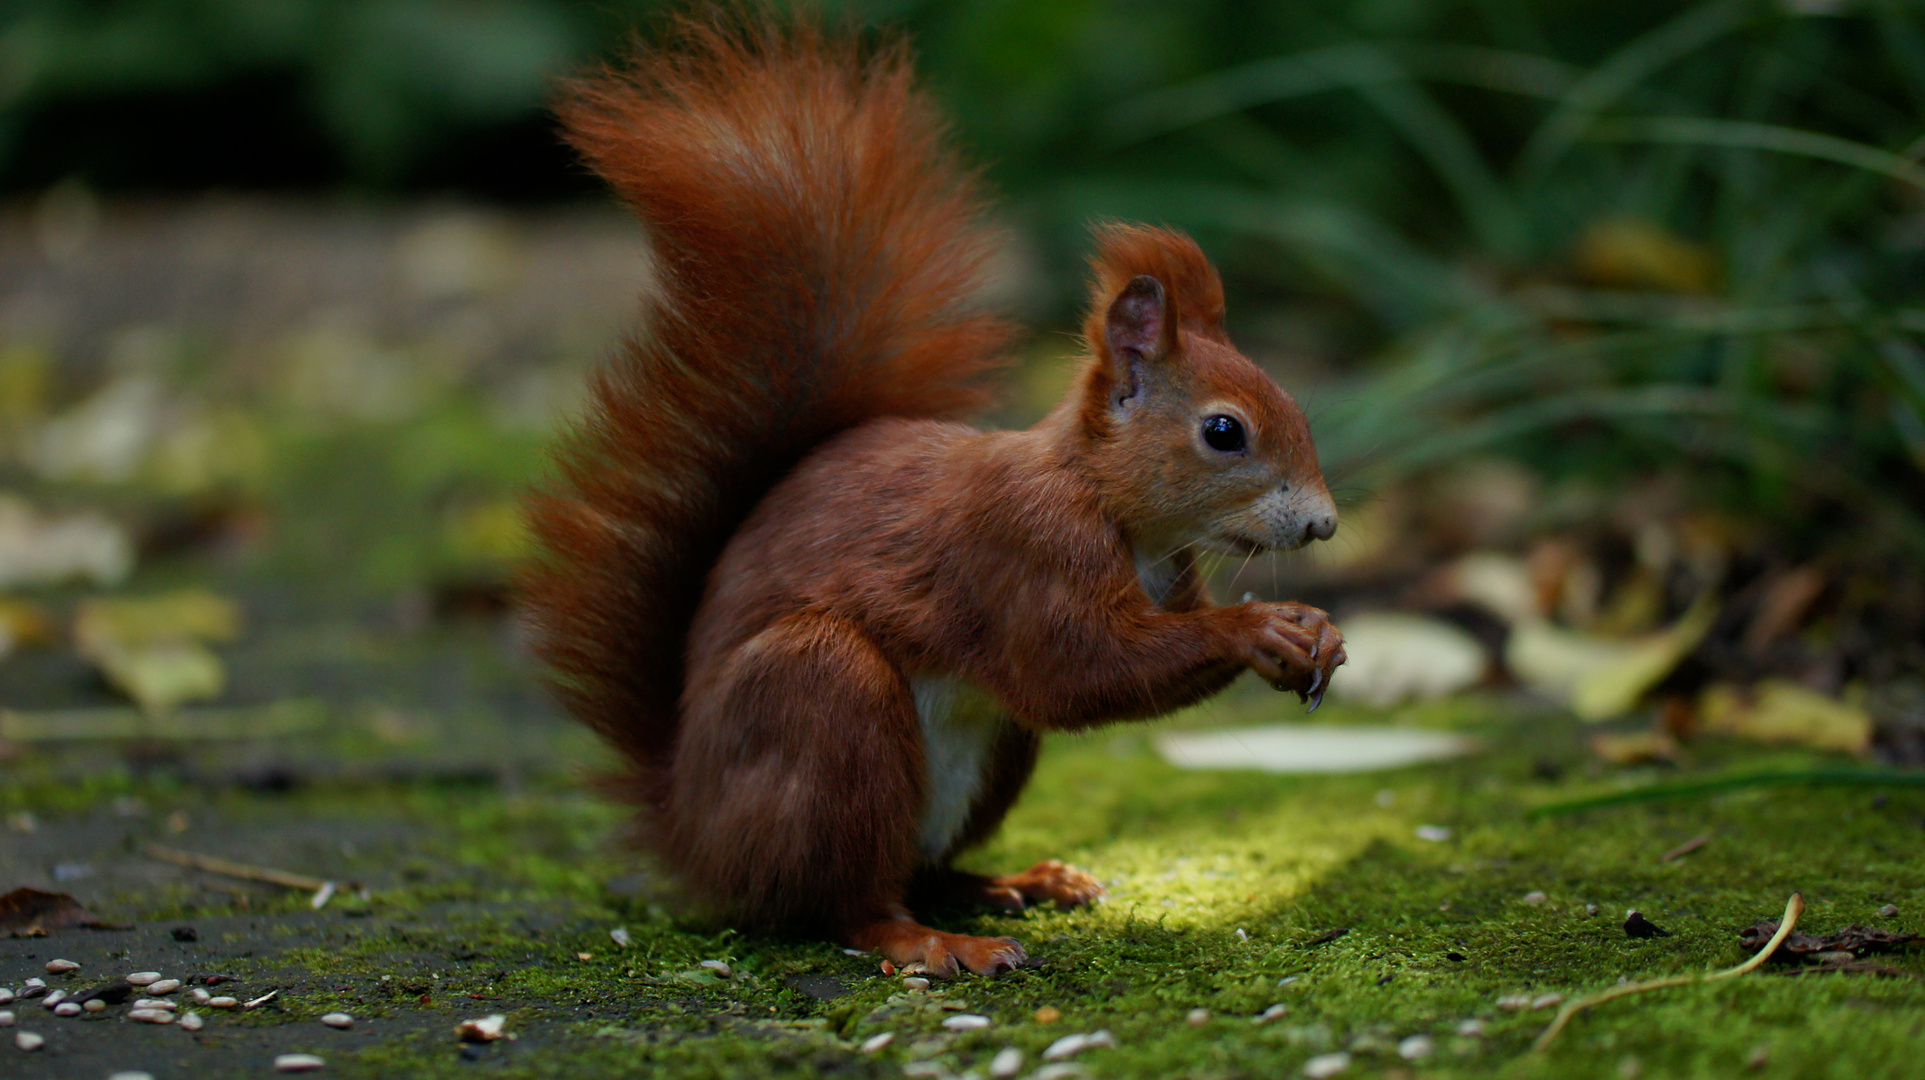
(1224, 887)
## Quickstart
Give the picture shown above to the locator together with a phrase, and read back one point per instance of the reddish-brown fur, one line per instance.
(772, 553)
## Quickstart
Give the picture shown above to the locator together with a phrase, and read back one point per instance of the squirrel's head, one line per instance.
(1190, 441)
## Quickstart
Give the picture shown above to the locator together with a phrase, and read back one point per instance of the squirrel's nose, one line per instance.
(1321, 527)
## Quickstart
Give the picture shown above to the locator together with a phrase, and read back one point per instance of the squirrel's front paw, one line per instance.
(1294, 647)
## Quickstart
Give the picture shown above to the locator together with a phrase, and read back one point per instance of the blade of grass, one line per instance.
(1746, 135)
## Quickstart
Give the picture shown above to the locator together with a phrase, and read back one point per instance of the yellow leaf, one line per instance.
(1599, 677)
(1781, 711)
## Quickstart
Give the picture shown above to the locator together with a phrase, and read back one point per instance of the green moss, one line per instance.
(1225, 891)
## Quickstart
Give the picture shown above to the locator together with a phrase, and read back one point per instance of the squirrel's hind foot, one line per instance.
(903, 941)
(1051, 881)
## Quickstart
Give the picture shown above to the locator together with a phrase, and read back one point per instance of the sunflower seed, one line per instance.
(1326, 1065)
(1198, 1017)
(1545, 1001)
(144, 978)
(27, 1040)
(151, 1016)
(155, 1003)
(1076, 1044)
(876, 1042)
(191, 1022)
(1416, 1048)
(61, 967)
(966, 1022)
(6, 995)
(719, 967)
(338, 1020)
(94, 1005)
(915, 982)
(298, 1063)
(54, 997)
(199, 996)
(66, 1008)
(1007, 1062)
(130, 1076)
(163, 986)
(1535, 898)
(222, 1003)
(6, 1017)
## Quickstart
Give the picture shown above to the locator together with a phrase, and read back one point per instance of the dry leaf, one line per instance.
(1853, 939)
(1598, 677)
(33, 913)
(48, 550)
(1781, 711)
(1396, 658)
(1632, 253)
(1634, 748)
(151, 648)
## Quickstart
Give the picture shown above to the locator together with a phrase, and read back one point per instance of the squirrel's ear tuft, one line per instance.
(1140, 325)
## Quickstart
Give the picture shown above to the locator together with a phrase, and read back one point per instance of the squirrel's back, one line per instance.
(818, 253)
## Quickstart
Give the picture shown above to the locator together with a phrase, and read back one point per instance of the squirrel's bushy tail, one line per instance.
(818, 253)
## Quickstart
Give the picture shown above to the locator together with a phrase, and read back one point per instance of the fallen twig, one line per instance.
(1793, 909)
(1687, 847)
(214, 864)
(1829, 777)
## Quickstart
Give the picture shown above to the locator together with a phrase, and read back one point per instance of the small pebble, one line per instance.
(1471, 1028)
(94, 1005)
(1534, 898)
(66, 1008)
(6, 1017)
(54, 997)
(27, 1040)
(1048, 1014)
(1198, 1017)
(915, 982)
(338, 1020)
(61, 967)
(1545, 1001)
(163, 986)
(222, 1002)
(199, 996)
(1326, 1065)
(144, 978)
(1272, 1013)
(1076, 1044)
(191, 1022)
(966, 1022)
(1007, 1062)
(151, 1016)
(876, 1042)
(298, 1063)
(155, 1003)
(1416, 1048)
(1889, 911)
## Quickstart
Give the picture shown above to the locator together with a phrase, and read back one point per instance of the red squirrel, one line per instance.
(825, 623)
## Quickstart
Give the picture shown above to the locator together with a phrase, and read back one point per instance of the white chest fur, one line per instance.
(956, 748)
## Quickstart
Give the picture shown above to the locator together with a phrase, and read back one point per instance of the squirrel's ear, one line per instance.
(1141, 325)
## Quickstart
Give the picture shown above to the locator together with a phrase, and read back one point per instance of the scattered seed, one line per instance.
(66, 1008)
(486, 1029)
(130, 1076)
(94, 1005)
(6, 1017)
(1471, 1029)
(53, 998)
(915, 982)
(720, 967)
(222, 1002)
(1271, 1013)
(966, 1022)
(1198, 1017)
(1545, 1001)
(1326, 1065)
(1889, 911)
(1590, 909)
(1535, 898)
(191, 1022)
(298, 1063)
(1069, 1045)
(1048, 1014)
(1242, 935)
(61, 967)
(6, 995)
(262, 1000)
(150, 1016)
(338, 1020)
(854, 952)
(1514, 1002)
(28, 1041)
(27, 988)
(1687, 847)
(144, 978)
(1416, 1048)
(199, 996)
(924, 1070)
(876, 1042)
(1058, 1071)
(155, 1003)
(1436, 834)
(1760, 1056)
(164, 986)
(619, 936)
(321, 896)
(1007, 1062)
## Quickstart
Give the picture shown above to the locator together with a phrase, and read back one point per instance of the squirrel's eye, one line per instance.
(1223, 433)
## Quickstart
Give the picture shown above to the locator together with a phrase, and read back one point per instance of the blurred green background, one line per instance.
(1620, 298)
